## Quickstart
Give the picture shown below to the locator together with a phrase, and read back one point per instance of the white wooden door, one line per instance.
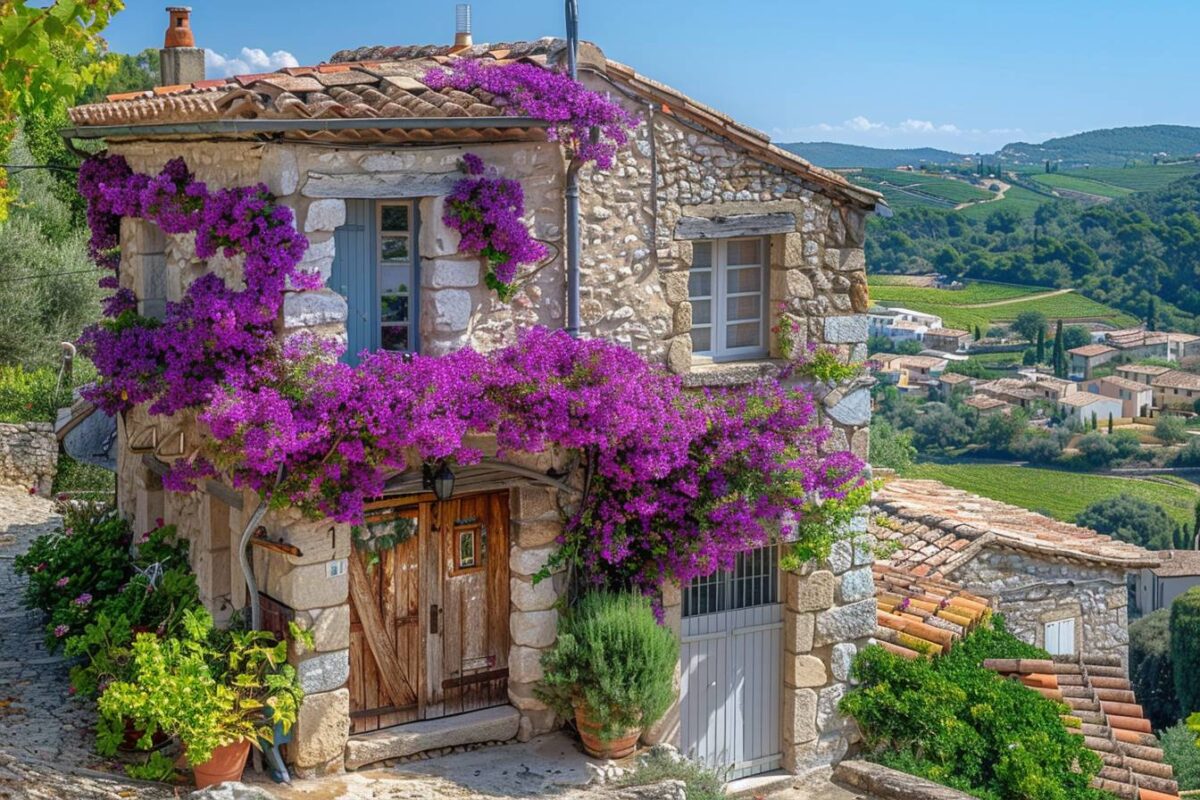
(731, 660)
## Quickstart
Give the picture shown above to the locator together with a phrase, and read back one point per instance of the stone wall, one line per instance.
(828, 615)
(28, 455)
(1032, 592)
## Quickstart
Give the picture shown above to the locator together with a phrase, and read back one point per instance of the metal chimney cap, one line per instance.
(462, 26)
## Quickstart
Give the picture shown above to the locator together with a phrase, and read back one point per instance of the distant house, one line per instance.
(1158, 586)
(898, 327)
(1060, 586)
(1176, 391)
(987, 406)
(911, 374)
(1011, 390)
(880, 313)
(1050, 388)
(950, 340)
(1081, 407)
(1084, 360)
(1139, 343)
(1136, 398)
(1142, 373)
(953, 381)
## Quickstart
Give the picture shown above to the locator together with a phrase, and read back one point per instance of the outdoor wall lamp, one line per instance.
(441, 482)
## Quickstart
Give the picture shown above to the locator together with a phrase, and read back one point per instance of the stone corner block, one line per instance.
(848, 329)
(325, 215)
(322, 728)
(813, 592)
(324, 672)
(804, 671)
(857, 584)
(799, 716)
(845, 623)
(536, 629)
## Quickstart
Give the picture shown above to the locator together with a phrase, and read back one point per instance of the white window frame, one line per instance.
(719, 297)
(1053, 633)
(414, 287)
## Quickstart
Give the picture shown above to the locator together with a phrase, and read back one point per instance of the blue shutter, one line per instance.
(354, 276)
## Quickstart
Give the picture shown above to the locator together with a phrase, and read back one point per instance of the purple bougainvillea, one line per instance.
(486, 210)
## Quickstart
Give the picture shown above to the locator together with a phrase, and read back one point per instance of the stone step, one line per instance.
(487, 725)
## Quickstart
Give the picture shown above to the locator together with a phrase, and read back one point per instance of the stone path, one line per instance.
(45, 734)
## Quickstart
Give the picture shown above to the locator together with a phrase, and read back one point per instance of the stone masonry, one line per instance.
(28, 456)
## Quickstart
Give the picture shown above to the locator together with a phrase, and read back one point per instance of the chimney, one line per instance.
(180, 61)
(462, 27)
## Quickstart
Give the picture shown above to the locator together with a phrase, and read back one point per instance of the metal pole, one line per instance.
(572, 188)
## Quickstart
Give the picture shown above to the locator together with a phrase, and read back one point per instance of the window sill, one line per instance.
(731, 373)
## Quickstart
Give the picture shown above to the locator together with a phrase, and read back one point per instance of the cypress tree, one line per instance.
(1095, 422)
(978, 332)
(1110, 423)
(1060, 366)
(1185, 649)
(1152, 314)
(1041, 346)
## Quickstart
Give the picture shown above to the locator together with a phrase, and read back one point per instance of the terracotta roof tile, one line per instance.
(1090, 350)
(1178, 563)
(920, 615)
(1104, 711)
(920, 514)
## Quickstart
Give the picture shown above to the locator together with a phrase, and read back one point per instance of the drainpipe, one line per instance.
(244, 557)
(572, 190)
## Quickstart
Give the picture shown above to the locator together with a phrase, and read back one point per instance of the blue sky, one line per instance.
(966, 76)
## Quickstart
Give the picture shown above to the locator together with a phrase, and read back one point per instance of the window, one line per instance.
(1060, 637)
(396, 277)
(727, 287)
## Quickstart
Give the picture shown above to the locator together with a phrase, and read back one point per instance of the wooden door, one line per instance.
(429, 622)
(474, 607)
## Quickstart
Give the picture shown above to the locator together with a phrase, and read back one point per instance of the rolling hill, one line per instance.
(1109, 147)
(833, 155)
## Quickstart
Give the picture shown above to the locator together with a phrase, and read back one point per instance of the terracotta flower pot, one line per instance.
(227, 764)
(133, 734)
(589, 732)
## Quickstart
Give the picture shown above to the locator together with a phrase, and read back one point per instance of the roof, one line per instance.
(984, 403)
(1081, 399)
(948, 332)
(1058, 383)
(922, 615)
(908, 325)
(1143, 369)
(955, 377)
(1175, 379)
(939, 528)
(1178, 564)
(1090, 350)
(1103, 710)
(386, 83)
(1124, 383)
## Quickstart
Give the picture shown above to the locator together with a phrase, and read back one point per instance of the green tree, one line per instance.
(1170, 429)
(1150, 668)
(1152, 313)
(1129, 519)
(890, 448)
(1075, 336)
(1110, 423)
(978, 332)
(1041, 345)
(1185, 649)
(1060, 369)
(1182, 752)
(43, 62)
(940, 429)
(1028, 324)
(909, 348)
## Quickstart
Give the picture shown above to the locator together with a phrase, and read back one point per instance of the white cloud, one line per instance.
(250, 60)
(859, 123)
(909, 132)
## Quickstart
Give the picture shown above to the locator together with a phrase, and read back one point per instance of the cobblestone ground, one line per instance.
(45, 734)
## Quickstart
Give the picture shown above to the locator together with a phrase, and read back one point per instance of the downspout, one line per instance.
(244, 558)
(572, 189)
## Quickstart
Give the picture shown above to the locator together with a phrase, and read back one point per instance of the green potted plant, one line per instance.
(208, 688)
(612, 668)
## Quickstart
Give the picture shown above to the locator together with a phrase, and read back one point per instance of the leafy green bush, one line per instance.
(700, 782)
(613, 659)
(1182, 752)
(890, 448)
(952, 721)
(1129, 519)
(1150, 667)
(30, 396)
(208, 689)
(1170, 429)
(77, 478)
(1185, 649)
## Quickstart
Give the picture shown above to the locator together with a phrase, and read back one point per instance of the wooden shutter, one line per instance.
(354, 276)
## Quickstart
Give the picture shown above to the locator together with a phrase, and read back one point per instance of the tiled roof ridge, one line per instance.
(1105, 712)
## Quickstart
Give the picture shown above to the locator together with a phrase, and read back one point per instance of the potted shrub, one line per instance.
(210, 689)
(613, 669)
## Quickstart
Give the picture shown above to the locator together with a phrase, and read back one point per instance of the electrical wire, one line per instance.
(48, 275)
(21, 167)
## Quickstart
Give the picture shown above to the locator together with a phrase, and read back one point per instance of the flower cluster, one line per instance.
(216, 333)
(532, 91)
(486, 210)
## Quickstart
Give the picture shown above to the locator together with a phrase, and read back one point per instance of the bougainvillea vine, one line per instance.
(486, 210)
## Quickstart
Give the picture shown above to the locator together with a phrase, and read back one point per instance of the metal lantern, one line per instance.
(440, 482)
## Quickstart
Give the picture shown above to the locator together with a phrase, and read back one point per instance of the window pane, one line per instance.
(395, 248)
(700, 283)
(701, 312)
(701, 340)
(394, 337)
(743, 280)
(745, 334)
(395, 218)
(393, 279)
(702, 254)
(743, 251)
(742, 309)
(393, 308)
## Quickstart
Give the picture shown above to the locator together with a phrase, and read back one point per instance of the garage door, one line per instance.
(730, 662)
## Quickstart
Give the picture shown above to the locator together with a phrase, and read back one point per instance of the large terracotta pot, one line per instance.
(227, 764)
(619, 747)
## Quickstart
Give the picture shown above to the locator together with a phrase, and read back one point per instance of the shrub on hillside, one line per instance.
(1170, 430)
(890, 448)
(1130, 519)
(1150, 667)
(30, 395)
(951, 720)
(1189, 454)
(1097, 450)
(940, 429)
(1182, 752)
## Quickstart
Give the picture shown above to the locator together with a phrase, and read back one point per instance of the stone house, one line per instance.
(1082, 407)
(1060, 587)
(1142, 373)
(948, 340)
(1176, 391)
(1136, 398)
(1158, 586)
(1084, 360)
(365, 152)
